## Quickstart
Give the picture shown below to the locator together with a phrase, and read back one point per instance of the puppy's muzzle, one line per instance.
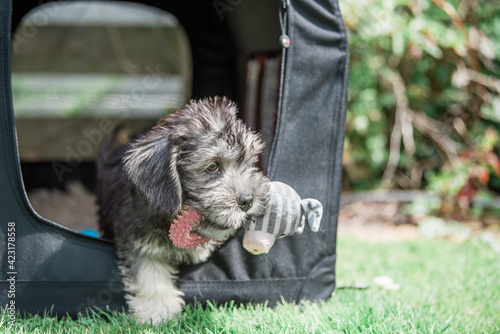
(245, 202)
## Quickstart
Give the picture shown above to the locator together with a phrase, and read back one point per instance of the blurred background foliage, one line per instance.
(424, 96)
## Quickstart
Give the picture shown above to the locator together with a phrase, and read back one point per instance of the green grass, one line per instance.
(445, 287)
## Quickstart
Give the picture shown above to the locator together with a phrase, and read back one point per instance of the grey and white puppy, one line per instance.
(199, 157)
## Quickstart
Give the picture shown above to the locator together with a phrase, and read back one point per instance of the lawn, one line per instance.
(444, 287)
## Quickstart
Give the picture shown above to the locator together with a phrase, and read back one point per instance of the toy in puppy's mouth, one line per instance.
(181, 230)
(286, 214)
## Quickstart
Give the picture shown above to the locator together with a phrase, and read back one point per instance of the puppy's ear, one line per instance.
(151, 165)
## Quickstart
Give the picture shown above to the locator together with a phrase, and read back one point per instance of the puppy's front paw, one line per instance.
(152, 295)
(155, 309)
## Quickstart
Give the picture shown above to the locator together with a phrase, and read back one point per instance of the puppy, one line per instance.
(199, 158)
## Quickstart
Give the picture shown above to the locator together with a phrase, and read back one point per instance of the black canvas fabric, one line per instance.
(59, 269)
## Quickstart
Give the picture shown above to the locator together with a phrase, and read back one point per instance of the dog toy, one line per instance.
(285, 215)
(180, 230)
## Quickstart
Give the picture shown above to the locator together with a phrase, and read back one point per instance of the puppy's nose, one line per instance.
(245, 202)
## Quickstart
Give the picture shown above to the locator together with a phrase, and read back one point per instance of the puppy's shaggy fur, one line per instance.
(200, 157)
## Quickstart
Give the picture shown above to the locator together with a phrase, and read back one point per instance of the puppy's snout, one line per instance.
(245, 202)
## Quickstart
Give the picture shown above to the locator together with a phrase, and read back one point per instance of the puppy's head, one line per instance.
(203, 157)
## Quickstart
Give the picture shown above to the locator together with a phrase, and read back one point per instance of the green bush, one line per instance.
(424, 95)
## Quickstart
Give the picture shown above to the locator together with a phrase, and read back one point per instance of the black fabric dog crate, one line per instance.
(45, 266)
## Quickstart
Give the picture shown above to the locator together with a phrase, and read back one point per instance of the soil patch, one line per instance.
(375, 222)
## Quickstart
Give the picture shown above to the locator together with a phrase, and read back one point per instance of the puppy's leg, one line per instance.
(152, 293)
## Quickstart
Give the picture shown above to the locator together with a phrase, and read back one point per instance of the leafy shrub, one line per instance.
(424, 95)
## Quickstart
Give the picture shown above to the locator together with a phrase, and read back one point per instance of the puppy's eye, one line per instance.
(213, 167)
